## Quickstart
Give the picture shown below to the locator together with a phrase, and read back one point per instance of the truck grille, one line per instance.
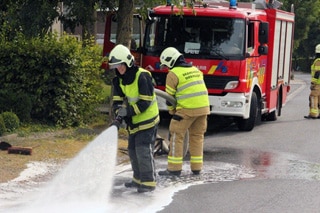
(218, 82)
(212, 82)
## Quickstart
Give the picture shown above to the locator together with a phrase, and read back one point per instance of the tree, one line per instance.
(125, 17)
(307, 32)
(83, 13)
(125, 22)
(20, 16)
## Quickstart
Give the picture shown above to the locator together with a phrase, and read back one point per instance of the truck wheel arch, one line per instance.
(273, 116)
(254, 111)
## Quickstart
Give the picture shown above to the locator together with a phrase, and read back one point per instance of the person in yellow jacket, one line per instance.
(314, 97)
(134, 101)
(185, 83)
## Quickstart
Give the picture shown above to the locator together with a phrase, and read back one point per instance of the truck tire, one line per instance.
(248, 124)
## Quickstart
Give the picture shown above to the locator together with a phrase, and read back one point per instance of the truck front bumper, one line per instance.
(232, 104)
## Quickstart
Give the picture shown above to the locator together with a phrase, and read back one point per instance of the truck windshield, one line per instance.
(196, 37)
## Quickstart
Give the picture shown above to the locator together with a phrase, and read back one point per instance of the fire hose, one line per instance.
(172, 101)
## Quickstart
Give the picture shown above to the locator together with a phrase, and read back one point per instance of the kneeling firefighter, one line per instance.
(140, 113)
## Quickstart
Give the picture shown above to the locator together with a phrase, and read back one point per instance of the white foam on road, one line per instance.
(91, 182)
(85, 182)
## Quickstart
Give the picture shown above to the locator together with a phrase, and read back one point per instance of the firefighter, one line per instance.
(314, 96)
(134, 100)
(185, 83)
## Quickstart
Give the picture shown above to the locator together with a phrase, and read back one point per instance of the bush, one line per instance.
(11, 121)
(18, 103)
(2, 126)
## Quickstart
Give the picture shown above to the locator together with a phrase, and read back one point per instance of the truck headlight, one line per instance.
(231, 85)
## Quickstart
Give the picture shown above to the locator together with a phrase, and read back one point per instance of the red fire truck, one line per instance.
(243, 49)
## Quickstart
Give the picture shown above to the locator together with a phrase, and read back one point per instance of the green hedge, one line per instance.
(61, 77)
(19, 103)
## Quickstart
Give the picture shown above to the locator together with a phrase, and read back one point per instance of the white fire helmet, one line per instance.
(317, 50)
(120, 54)
(169, 57)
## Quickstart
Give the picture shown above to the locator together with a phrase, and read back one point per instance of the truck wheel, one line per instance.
(248, 124)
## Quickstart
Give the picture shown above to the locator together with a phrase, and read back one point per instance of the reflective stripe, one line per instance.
(196, 159)
(189, 85)
(117, 98)
(173, 138)
(314, 70)
(136, 180)
(136, 109)
(191, 92)
(131, 91)
(146, 97)
(175, 160)
(149, 183)
(170, 90)
(131, 99)
(191, 95)
(142, 97)
(145, 126)
(314, 111)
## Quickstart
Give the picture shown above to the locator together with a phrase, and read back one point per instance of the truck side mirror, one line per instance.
(263, 50)
(263, 32)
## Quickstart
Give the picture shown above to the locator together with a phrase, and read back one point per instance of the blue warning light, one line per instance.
(233, 4)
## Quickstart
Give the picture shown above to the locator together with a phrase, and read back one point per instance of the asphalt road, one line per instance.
(283, 157)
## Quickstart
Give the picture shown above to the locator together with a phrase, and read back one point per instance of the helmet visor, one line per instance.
(163, 67)
(114, 66)
(114, 62)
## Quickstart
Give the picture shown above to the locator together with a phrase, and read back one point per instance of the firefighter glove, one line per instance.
(122, 112)
(312, 87)
(169, 103)
(117, 122)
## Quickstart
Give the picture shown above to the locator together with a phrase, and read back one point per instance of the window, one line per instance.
(211, 37)
(250, 42)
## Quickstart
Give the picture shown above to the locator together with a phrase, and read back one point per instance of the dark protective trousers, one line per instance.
(140, 148)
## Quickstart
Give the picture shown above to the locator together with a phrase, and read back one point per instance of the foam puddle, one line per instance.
(85, 183)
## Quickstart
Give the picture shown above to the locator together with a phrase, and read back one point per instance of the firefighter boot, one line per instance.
(196, 172)
(169, 173)
(132, 184)
(143, 188)
(310, 117)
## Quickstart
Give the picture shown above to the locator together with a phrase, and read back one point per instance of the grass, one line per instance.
(50, 144)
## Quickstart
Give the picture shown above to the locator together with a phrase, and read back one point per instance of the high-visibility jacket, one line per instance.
(315, 72)
(141, 120)
(191, 91)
